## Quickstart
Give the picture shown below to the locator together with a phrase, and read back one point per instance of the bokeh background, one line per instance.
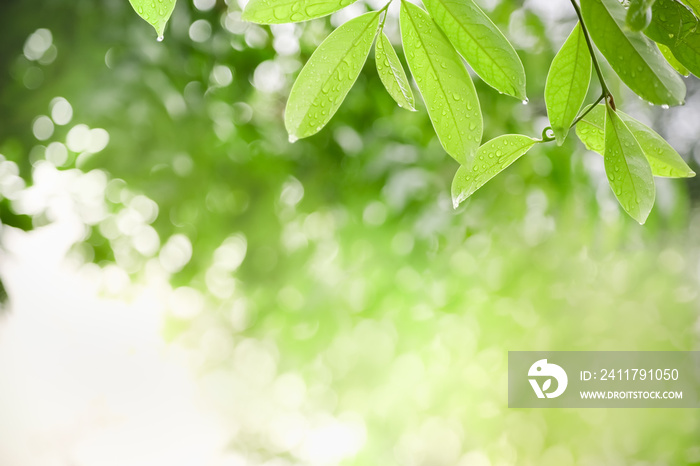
(182, 286)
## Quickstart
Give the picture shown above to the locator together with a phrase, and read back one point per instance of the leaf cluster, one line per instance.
(648, 43)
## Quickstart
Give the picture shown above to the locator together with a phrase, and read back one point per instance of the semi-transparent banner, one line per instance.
(604, 379)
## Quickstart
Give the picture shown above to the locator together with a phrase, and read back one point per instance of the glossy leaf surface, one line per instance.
(490, 160)
(635, 59)
(392, 74)
(567, 83)
(444, 83)
(481, 43)
(328, 76)
(673, 61)
(154, 12)
(628, 171)
(665, 161)
(674, 26)
(290, 11)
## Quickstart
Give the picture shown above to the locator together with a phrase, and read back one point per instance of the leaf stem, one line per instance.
(386, 7)
(605, 91)
(386, 13)
(546, 132)
(591, 107)
(604, 87)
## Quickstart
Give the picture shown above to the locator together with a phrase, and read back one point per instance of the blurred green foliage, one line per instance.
(340, 258)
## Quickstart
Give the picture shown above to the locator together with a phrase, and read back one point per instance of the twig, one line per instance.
(604, 87)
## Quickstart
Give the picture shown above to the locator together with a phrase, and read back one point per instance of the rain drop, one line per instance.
(293, 139)
(160, 38)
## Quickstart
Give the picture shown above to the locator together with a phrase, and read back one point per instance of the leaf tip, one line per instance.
(459, 194)
(642, 216)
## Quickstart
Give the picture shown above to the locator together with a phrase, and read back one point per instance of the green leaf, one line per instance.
(290, 11)
(674, 26)
(628, 170)
(328, 76)
(693, 5)
(591, 129)
(663, 158)
(155, 12)
(567, 83)
(442, 79)
(673, 61)
(392, 74)
(490, 160)
(481, 43)
(639, 14)
(635, 59)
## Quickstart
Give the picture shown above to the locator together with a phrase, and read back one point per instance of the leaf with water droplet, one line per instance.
(663, 158)
(635, 59)
(290, 11)
(491, 159)
(392, 74)
(440, 75)
(481, 43)
(665, 161)
(567, 83)
(673, 61)
(694, 5)
(155, 15)
(328, 76)
(628, 170)
(674, 26)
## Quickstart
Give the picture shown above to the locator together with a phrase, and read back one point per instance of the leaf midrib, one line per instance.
(437, 76)
(510, 153)
(680, 39)
(335, 69)
(576, 63)
(624, 158)
(398, 76)
(484, 174)
(493, 60)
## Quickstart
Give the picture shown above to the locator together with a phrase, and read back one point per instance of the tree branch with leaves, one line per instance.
(647, 44)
